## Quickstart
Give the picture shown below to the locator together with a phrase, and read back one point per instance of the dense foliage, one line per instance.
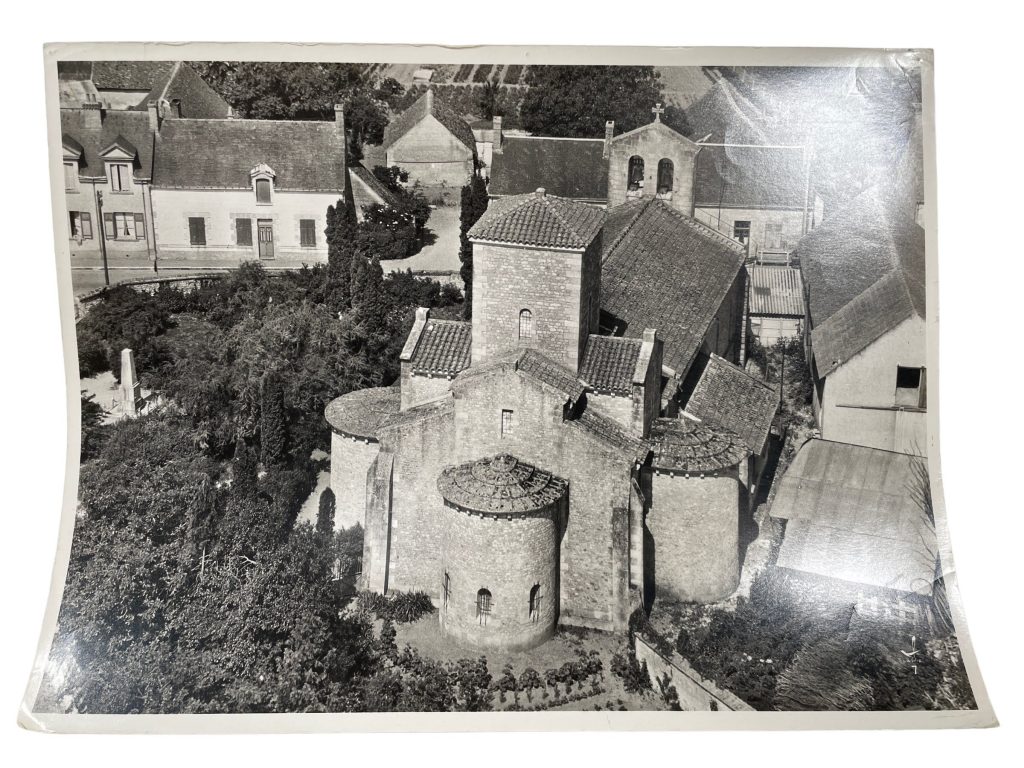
(473, 205)
(578, 100)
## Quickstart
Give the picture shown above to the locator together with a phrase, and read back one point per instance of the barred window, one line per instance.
(506, 422)
(525, 324)
(483, 606)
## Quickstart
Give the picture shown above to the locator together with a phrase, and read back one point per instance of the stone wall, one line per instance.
(351, 459)
(696, 692)
(694, 523)
(418, 389)
(508, 556)
(432, 155)
(561, 289)
(377, 528)
(775, 228)
(599, 482)
(653, 142)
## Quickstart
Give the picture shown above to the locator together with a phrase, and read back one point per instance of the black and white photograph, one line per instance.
(501, 385)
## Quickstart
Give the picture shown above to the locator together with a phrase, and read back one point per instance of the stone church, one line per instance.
(537, 466)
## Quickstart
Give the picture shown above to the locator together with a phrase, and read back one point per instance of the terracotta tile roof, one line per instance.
(685, 445)
(668, 272)
(540, 368)
(541, 220)
(573, 168)
(853, 515)
(609, 363)
(429, 104)
(361, 413)
(441, 409)
(864, 272)
(306, 156)
(130, 127)
(776, 291)
(443, 348)
(500, 485)
(726, 396)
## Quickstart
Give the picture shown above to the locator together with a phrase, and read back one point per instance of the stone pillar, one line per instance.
(131, 392)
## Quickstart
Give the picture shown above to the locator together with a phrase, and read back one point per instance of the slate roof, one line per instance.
(360, 414)
(306, 156)
(539, 219)
(128, 75)
(776, 291)
(130, 127)
(749, 177)
(864, 271)
(609, 363)
(183, 84)
(500, 485)
(685, 445)
(727, 396)
(429, 104)
(853, 516)
(669, 272)
(573, 168)
(443, 347)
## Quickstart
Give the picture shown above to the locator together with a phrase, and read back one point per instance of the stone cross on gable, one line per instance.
(658, 111)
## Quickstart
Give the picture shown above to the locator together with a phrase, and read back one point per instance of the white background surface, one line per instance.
(981, 216)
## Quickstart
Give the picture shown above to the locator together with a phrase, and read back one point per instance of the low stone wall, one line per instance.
(696, 693)
(186, 283)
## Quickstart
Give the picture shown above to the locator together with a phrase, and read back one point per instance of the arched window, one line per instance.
(535, 597)
(665, 176)
(483, 606)
(635, 175)
(525, 324)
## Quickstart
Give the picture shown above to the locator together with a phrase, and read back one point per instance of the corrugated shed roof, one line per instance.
(541, 220)
(727, 396)
(130, 127)
(429, 104)
(864, 270)
(669, 272)
(776, 291)
(573, 168)
(609, 363)
(360, 414)
(686, 445)
(750, 177)
(443, 348)
(854, 515)
(220, 154)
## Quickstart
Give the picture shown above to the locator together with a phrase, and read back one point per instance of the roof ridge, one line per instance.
(702, 227)
(626, 229)
(173, 73)
(561, 219)
(744, 371)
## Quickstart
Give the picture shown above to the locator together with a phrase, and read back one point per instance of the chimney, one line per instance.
(541, 192)
(154, 116)
(497, 133)
(609, 132)
(175, 108)
(92, 115)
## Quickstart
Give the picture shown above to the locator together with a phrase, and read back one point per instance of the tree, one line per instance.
(473, 204)
(273, 422)
(576, 101)
(325, 513)
(370, 305)
(341, 244)
(489, 99)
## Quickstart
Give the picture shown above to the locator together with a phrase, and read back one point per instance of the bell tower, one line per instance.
(536, 277)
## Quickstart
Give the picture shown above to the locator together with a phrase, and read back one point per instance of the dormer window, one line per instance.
(120, 177)
(263, 184)
(70, 176)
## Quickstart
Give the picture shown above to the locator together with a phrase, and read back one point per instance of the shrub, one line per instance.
(633, 673)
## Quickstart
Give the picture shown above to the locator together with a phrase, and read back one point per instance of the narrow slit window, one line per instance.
(535, 598)
(507, 423)
(446, 591)
(525, 324)
(483, 606)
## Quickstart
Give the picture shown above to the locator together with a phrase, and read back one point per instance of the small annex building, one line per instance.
(431, 142)
(776, 303)
(525, 473)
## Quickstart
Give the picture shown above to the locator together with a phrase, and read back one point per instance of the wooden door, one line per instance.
(266, 238)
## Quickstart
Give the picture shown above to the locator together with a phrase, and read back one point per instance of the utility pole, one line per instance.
(103, 236)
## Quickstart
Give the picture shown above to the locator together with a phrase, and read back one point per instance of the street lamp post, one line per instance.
(103, 236)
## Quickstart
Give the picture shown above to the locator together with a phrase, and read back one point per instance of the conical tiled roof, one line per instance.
(539, 219)
(359, 414)
(687, 445)
(500, 485)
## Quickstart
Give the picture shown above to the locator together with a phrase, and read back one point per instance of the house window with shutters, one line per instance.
(70, 177)
(124, 226)
(243, 231)
(121, 178)
(81, 225)
(525, 324)
(483, 606)
(307, 233)
(263, 191)
(196, 230)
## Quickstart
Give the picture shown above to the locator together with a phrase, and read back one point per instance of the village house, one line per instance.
(432, 143)
(226, 191)
(527, 472)
(864, 276)
(857, 529)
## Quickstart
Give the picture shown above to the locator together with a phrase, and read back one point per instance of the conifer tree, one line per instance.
(273, 426)
(341, 239)
(370, 301)
(474, 203)
(325, 513)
